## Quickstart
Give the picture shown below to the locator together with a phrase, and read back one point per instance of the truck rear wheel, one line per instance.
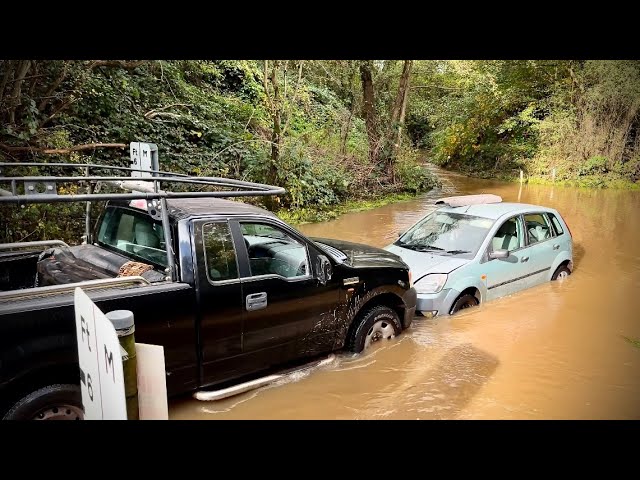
(53, 402)
(375, 324)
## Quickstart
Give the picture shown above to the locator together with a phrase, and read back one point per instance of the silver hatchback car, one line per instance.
(475, 248)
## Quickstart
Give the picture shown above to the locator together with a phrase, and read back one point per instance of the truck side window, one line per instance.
(219, 255)
(272, 251)
(134, 233)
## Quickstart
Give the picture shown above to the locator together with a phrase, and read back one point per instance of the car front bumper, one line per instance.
(432, 304)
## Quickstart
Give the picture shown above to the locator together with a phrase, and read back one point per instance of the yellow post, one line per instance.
(125, 327)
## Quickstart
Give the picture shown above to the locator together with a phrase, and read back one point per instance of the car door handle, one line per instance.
(524, 259)
(556, 246)
(256, 301)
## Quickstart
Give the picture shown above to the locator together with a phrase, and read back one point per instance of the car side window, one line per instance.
(538, 229)
(219, 254)
(272, 251)
(556, 224)
(508, 236)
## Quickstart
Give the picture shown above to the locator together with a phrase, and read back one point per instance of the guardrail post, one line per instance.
(123, 322)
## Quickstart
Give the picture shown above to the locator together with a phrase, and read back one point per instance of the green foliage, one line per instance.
(412, 174)
(311, 181)
(208, 118)
(492, 118)
(594, 165)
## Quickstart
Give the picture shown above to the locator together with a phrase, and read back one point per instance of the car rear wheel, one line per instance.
(561, 273)
(376, 324)
(464, 301)
(53, 402)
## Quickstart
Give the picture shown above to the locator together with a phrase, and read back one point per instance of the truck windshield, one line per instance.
(134, 233)
(447, 233)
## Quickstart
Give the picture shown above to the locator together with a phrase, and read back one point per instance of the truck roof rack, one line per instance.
(43, 188)
(151, 184)
(466, 200)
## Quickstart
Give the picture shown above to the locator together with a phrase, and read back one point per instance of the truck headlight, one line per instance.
(431, 283)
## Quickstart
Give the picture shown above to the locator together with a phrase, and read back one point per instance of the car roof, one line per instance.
(496, 210)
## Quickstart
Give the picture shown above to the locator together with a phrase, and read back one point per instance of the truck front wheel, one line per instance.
(375, 324)
(53, 402)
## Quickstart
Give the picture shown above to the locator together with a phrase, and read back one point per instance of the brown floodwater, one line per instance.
(556, 351)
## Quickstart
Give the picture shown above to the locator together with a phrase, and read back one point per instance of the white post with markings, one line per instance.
(144, 156)
(101, 375)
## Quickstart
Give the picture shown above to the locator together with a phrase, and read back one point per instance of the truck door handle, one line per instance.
(256, 301)
(524, 259)
(556, 246)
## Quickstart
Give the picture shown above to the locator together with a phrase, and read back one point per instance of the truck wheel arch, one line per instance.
(36, 364)
(372, 299)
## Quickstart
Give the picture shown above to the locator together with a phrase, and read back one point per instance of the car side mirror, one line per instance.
(324, 270)
(500, 253)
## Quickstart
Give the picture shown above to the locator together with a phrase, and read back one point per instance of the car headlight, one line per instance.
(431, 283)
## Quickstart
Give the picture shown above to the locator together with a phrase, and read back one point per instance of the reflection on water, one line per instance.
(556, 351)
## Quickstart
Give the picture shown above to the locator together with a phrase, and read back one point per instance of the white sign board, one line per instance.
(101, 375)
(152, 382)
(140, 158)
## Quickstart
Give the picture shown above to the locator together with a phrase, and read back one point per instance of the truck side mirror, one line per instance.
(324, 270)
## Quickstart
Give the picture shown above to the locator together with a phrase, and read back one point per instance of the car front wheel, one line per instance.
(464, 301)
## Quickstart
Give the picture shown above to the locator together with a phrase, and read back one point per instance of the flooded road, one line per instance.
(556, 351)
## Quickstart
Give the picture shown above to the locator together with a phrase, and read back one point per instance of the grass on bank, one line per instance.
(311, 215)
(635, 343)
(588, 181)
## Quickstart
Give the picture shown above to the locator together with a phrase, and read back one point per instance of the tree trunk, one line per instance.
(21, 72)
(397, 116)
(369, 108)
(8, 68)
(346, 129)
(275, 134)
(404, 88)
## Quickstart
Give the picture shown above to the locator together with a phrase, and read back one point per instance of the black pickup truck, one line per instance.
(250, 293)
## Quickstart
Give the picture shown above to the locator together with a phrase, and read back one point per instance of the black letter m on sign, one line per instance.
(108, 360)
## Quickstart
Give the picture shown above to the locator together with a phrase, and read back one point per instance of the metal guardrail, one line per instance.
(69, 288)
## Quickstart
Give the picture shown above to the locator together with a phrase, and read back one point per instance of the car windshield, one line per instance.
(447, 233)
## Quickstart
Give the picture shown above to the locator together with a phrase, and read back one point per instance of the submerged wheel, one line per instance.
(561, 273)
(464, 301)
(53, 402)
(374, 325)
